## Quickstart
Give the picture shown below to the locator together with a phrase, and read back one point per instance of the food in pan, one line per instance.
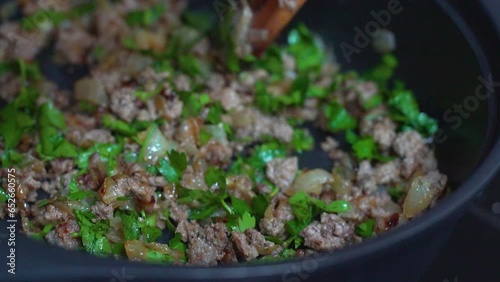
(179, 146)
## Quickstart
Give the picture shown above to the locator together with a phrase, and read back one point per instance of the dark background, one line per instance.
(472, 253)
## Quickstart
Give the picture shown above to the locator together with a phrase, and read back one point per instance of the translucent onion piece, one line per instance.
(217, 132)
(310, 182)
(419, 197)
(90, 90)
(136, 250)
(156, 146)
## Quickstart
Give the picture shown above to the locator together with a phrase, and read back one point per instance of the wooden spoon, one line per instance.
(272, 16)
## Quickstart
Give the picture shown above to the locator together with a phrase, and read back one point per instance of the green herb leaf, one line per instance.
(201, 21)
(146, 95)
(306, 208)
(4, 197)
(131, 227)
(75, 194)
(52, 142)
(338, 206)
(12, 158)
(338, 118)
(366, 228)
(308, 54)
(42, 203)
(240, 207)
(302, 140)
(202, 213)
(5, 67)
(215, 175)
(178, 160)
(46, 229)
(84, 9)
(373, 102)
(176, 244)
(226, 43)
(170, 225)
(190, 65)
(365, 149)
(405, 109)
(107, 152)
(93, 234)
(259, 206)
(193, 104)
(265, 100)
(173, 170)
(14, 124)
(215, 113)
(152, 233)
(118, 126)
(395, 193)
(147, 17)
(32, 23)
(317, 92)
(245, 222)
(383, 73)
(272, 62)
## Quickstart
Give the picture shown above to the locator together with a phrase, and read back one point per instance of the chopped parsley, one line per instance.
(302, 140)
(172, 170)
(52, 142)
(245, 222)
(306, 208)
(405, 109)
(214, 114)
(75, 194)
(146, 95)
(32, 22)
(108, 153)
(305, 48)
(338, 119)
(46, 229)
(146, 17)
(384, 72)
(134, 228)
(193, 104)
(118, 126)
(366, 228)
(4, 197)
(395, 193)
(93, 233)
(272, 62)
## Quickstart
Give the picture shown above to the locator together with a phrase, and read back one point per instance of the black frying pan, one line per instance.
(443, 47)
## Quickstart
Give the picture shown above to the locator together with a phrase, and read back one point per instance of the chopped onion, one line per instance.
(340, 185)
(217, 132)
(108, 193)
(90, 90)
(155, 146)
(136, 250)
(115, 233)
(266, 251)
(310, 182)
(189, 130)
(136, 63)
(384, 41)
(148, 40)
(242, 118)
(419, 197)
